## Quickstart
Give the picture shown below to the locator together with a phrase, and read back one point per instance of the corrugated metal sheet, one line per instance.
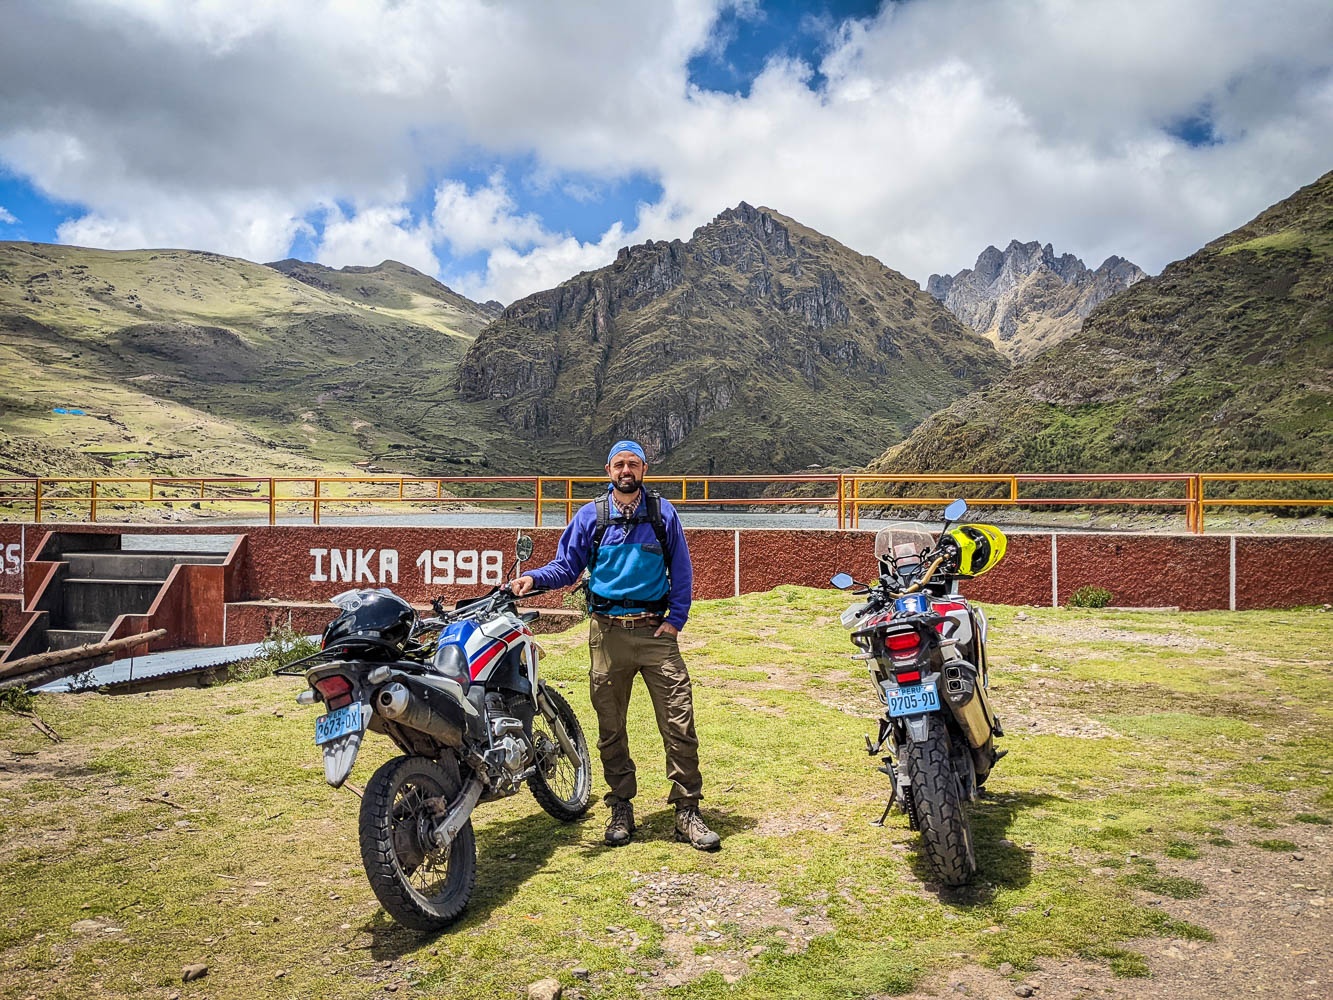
(137, 668)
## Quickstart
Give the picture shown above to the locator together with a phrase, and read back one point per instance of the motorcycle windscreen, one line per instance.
(903, 541)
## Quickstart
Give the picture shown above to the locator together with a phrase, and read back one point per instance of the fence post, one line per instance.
(272, 503)
(537, 504)
(1198, 504)
(92, 502)
(315, 502)
(37, 511)
(842, 494)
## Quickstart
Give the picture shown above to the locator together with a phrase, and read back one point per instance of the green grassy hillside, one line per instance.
(398, 290)
(1221, 363)
(190, 362)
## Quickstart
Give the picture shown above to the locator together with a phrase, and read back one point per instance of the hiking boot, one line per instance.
(691, 828)
(621, 828)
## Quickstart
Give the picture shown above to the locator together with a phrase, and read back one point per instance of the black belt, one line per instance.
(630, 621)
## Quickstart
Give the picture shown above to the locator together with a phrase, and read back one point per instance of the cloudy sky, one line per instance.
(504, 145)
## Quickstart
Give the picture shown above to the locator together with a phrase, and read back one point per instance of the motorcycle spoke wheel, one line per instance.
(420, 885)
(562, 785)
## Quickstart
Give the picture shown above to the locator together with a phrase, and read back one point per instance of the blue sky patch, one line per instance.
(36, 216)
(745, 40)
(1196, 129)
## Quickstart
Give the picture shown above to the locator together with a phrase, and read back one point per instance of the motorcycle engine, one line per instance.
(509, 745)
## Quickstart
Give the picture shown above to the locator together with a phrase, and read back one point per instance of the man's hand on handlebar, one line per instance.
(521, 586)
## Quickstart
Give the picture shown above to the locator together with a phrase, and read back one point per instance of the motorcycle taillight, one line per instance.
(902, 643)
(336, 690)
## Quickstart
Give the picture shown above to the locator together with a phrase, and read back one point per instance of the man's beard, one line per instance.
(627, 484)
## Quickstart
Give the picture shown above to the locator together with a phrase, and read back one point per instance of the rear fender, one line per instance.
(340, 754)
(918, 727)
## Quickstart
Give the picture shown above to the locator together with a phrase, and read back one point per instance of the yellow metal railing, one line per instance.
(846, 495)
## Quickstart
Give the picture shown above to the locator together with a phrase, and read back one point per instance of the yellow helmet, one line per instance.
(980, 546)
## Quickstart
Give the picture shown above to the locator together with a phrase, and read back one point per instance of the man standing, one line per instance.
(639, 588)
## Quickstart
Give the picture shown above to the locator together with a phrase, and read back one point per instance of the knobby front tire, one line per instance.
(561, 786)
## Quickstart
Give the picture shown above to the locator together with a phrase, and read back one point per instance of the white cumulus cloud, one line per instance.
(924, 132)
(374, 234)
(7, 217)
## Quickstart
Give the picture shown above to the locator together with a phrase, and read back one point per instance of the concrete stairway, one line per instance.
(101, 586)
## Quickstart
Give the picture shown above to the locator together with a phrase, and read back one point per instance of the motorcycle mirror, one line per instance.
(842, 581)
(523, 548)
(955, 510)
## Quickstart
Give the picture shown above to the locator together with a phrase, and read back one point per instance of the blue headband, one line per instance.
(633, 447)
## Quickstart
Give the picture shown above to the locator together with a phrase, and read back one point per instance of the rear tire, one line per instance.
(939, 808)
(561, 786)
(420, 886)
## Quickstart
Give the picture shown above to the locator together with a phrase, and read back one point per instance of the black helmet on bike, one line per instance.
(381, 619)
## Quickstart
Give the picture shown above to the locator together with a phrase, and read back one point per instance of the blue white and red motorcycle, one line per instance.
(925, 646)
(459, 694)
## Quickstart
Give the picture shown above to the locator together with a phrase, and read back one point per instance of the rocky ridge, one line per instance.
(1219, 363)
(1024, 298)
(757, 345)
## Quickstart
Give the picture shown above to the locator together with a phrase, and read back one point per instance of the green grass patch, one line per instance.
(1174, 886)
(1122, 962)
(1090, 597)
(1275, 844)
(1182, 849)
(195, 825)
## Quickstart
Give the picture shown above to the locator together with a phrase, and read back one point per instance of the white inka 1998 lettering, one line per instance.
(13, 559)
(355, 565)
(464, 567)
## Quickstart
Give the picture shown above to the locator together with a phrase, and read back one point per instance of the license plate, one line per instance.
(338, 723)
(912, 699)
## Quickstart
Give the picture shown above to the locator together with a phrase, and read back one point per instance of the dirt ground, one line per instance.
(1269, 913)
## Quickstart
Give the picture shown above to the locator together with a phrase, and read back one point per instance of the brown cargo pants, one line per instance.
(618, 653)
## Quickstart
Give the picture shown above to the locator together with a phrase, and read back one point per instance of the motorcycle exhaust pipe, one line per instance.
(967, 702)
(398, 704)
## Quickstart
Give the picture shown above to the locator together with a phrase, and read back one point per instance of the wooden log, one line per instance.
(42, 668)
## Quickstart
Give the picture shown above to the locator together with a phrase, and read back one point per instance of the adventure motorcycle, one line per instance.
(926, 649)
(460, 696)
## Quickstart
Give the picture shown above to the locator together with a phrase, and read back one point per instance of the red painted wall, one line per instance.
(297, 564)
(190, 606)
(1283, 572)
(11, 559)
(1022, 577)
(1185, 571)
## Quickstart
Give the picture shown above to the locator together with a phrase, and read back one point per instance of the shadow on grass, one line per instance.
(1001, 864)
(509, 852)
(661, 824)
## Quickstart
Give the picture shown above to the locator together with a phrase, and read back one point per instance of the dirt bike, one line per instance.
(925, 646)
(459, 694)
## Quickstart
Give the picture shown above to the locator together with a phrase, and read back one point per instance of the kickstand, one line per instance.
(884, 815)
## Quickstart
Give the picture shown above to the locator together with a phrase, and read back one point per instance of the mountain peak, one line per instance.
(1025, 298)
(707, 350)
(1219, 363)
